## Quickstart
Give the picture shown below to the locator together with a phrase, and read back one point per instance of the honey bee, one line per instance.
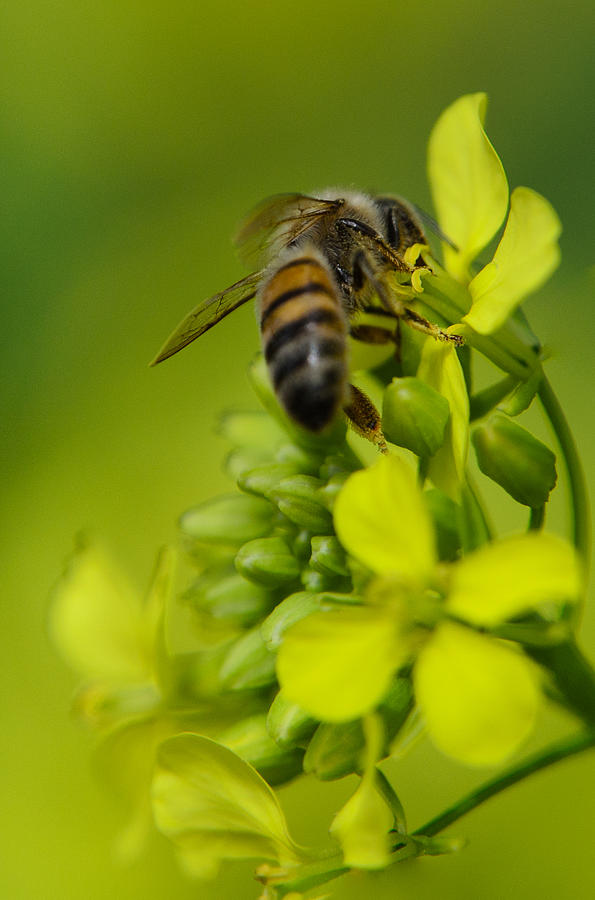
(322, 262)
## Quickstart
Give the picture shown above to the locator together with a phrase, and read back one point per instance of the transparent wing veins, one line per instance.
(297, 212)
(208, 313)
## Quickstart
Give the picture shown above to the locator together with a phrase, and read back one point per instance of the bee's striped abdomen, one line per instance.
(304, 337)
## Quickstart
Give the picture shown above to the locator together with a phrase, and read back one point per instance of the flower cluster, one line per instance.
(327, 605)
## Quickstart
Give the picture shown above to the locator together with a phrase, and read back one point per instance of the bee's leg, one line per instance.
(416, 321)
(364, 272)
(365, 418)
(368, 237)
(371, 334)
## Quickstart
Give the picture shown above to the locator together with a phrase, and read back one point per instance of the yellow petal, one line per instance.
(441, 369)
(468, 181)
(513, 576)
(381, 519)
(478, 696)
(215, 806)
(337, 665)
(96, 619)
(363, 824)
(526, 257)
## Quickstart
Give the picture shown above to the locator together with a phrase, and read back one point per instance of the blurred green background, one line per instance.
(134, 136)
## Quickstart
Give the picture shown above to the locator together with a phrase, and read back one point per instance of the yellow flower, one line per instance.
(470, 193)
(479, 695)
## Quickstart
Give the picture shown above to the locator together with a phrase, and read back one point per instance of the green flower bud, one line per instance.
(306, 462)
(267, 561)
(515, 459)
(243, 459)
(288, 724)
(235, 600)
(262, 480)
(445, 514)
(337, 464)
(231, 519)
(300, 500)
(328, 556)
(251, 429)
(321, 581)
(287, 613)
(252, 742)
(301, 545)
(329, 492)
(414, 416)
(247, 664)
(335, 750)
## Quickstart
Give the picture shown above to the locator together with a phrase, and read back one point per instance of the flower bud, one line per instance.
(335, 749)
(328, 556)
(251, 429)
(414, 416)
(515, 459)
(445, 514)
(243, 459)
(247, 664)
(288, 724)
(331, 489)
(262, 480)
(300, 500)
(316, 582)
(235, 600)
(231, 519)
(287, 613)
(250, 740)
(267, 561)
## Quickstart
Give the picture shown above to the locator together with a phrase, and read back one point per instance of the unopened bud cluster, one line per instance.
(268, 557)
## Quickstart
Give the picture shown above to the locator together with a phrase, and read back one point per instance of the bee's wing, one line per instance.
(284, 215)
(207, 314)
(433, 225)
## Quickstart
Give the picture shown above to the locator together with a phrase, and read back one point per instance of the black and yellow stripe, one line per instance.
(304, 337)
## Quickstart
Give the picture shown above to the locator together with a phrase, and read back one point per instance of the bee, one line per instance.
(322, 262)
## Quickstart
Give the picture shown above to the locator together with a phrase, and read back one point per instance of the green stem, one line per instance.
(553, 754)
(581, 525)
(386, 790)
(536, 518)
(573, 676)
(484, 401)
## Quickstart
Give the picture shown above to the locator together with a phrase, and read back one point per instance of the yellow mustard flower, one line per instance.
(478, 694)
(471, 197)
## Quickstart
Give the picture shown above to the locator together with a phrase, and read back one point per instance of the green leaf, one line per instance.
(441, 369)
(525, 258)
(215, 806)
(479, 697)
(513, 576)
(97, 622)
(337, 665)
(381, 519)
(468, 181)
